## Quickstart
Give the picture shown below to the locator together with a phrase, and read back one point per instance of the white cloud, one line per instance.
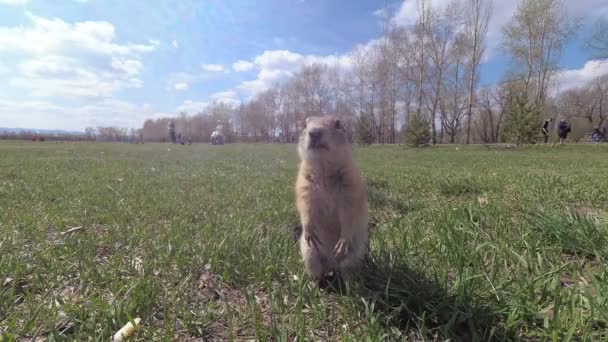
(213, 67)
(279, 59)
(14, 2)
(181, 77)
(227, 97)
(128, 66)
(3, 68)
(502, 12)
(574, 78)
(265, 80)
(61, 59)
(107, 112)
(192, 107)
(223, 94)
(587, 8)
(278, 65)
(181, 86)
(190, 78)
(60, 76)
(273, 65)
(112, 112)
(175, 44)
(242, 66)
(380, 13)
(55, 36)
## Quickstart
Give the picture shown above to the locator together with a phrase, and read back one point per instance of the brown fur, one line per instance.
(331, 200)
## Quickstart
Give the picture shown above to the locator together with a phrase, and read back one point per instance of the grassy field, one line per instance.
(199, 242)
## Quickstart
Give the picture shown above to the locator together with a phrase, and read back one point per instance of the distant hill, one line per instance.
(41, 131)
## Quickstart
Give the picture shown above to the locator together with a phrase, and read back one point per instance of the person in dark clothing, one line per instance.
(596, 137)
(546, 129)
(563, 129)
(172, 132)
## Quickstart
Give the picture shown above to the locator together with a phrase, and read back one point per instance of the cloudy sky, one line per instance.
(69, 64)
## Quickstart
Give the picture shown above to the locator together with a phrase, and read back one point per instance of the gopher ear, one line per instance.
(307, 122)
(338, 124)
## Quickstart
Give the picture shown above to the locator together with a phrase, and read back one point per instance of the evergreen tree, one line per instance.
(363, 130)
(524, 123)
(418, 132)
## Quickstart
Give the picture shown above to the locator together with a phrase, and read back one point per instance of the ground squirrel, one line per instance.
(331, 200)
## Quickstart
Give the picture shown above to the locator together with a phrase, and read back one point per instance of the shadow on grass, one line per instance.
(417, 306)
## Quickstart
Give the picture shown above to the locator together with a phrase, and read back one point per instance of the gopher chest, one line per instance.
(324, 214)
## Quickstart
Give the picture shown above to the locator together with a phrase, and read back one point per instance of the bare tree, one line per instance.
(535, 38)
(359, 57)
(477, 17)
(598, 42)
(600, 89)
(89, 133)
(453, 104)
(485, 124)
(494, 103)
(441, 37)
(420, 30)
(589, 102)
(406, 69)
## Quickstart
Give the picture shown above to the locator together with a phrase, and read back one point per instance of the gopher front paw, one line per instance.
(311, 239)
(341, 250)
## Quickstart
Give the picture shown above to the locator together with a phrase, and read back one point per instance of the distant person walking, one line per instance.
(546, 130)
(172, 132)
(563, 129)
(596, 137)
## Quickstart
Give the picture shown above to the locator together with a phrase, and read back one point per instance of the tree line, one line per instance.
(422, 79)
(426, 76)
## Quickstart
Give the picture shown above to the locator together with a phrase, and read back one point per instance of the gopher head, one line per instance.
(324, 137)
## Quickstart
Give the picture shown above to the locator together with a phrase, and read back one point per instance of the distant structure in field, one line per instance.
(217, 138)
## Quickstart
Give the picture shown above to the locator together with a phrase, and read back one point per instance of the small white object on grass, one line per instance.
(126, 331)
(7, 281)
(483, 200)
(138, 264)
(71, 230)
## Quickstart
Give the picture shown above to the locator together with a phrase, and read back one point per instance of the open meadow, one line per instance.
(199, 241)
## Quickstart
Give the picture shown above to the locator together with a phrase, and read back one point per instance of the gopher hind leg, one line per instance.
(313, 260)
(353, 261)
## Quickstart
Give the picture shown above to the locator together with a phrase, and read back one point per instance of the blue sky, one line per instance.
(76, 63)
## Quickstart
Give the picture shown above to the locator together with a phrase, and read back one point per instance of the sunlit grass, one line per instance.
(198, 241)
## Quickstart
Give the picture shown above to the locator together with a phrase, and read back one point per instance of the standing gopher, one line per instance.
(331, 200)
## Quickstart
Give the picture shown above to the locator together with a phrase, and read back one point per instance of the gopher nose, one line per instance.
(315, 134)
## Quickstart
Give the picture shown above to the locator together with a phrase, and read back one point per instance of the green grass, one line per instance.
(198, 241)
